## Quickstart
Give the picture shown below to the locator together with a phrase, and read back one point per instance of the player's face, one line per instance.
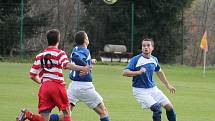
(147, 47)
(86, 40)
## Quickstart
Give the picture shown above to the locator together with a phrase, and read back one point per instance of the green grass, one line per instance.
(193, 101)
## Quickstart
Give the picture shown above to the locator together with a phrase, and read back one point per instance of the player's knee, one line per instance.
(156, 108)
(66, 112)
(102, 110)
(168, 107)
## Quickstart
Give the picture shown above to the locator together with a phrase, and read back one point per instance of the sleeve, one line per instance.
(131, 65)
(77, 60)
(63, 60)
(157, 68)
(35, 68)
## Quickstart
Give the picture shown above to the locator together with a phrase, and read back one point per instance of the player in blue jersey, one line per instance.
(145, 91)
(81, 87)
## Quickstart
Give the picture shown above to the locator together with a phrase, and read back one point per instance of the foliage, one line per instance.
(10, 18)
(160, 20)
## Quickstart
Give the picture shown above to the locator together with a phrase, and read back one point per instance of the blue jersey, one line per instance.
(151, 65)
(84, 55)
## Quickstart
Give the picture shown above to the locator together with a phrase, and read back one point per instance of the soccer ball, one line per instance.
(110, 2)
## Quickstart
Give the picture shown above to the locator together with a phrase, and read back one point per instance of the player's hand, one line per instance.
(85, 70)
(94, 61)
(171, 88)
(142, 70)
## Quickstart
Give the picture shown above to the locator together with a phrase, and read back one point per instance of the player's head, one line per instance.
(147, 46)
(81, 38)
(53, 37)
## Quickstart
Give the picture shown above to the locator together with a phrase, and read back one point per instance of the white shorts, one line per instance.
(84, 92)
(147, 97)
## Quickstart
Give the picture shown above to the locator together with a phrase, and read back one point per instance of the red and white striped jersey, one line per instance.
(49, 64)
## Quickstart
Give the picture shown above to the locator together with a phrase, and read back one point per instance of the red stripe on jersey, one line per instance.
(65, 60)
(45, 66)
(32, 74)
(55, 80)
(61, 54)
(47, 62)
(54, 73)
(64, 65)
(53, 49)
(42, 57)
(36, 67)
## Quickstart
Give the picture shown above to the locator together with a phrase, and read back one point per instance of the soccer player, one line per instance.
(147, 94)
(81, 88)
(47, 71)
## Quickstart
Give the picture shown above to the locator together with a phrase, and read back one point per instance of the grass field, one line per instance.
(193, 101)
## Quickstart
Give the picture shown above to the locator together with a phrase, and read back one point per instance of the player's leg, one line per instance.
(45, 105)
(45, 114)
(62, 102)
(63, 116)
(145, 99)
(156, 109)
(25, 114)
(72, 91)
(66, 115)
(91, 97)
(102, 111)
(170, 113)
(164, 101)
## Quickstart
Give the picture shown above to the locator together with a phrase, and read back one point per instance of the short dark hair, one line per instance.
(53, 36)
(79, 37)
(147, 39)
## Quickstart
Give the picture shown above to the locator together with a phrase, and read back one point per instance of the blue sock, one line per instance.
(105, 119)
(156, 108)
(54, 117)
(171, 116)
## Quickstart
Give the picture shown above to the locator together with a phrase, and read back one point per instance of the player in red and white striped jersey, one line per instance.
(47, 70)
(49, 64)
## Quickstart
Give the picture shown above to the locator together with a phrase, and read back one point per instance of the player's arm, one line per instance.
(34, 75)
(164, 80)
(130, 73)
(35, 79)
(83, 69)
(67, 65)
(34, 71)
(78, 61)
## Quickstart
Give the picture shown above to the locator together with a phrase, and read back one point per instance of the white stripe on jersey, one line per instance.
(54, 69)
(58, 58)
(88, 57)
(62, 57)
(35, 71)
(54, 53)
(74, 73)
(52, 76)
(143, 61)
(38, 62)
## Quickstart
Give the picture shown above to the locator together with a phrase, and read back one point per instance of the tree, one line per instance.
(160, 20)
(10, 24)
